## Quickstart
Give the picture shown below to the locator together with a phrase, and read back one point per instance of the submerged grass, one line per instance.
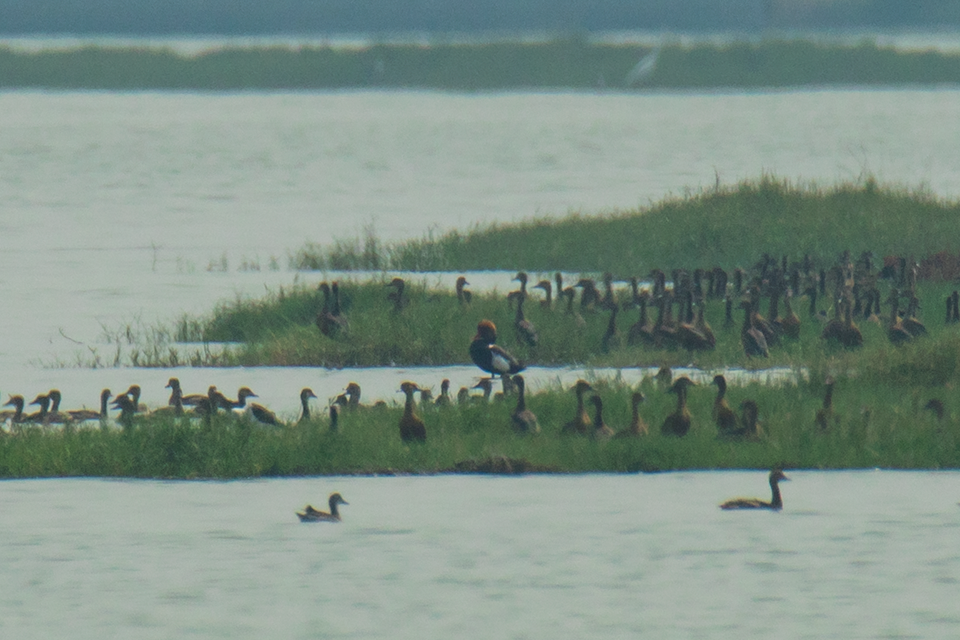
(873, 426)
(727, 226)
(561, 63)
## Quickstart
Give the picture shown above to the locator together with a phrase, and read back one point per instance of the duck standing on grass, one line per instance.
(309, 514)
(488, 356)
(678, 423)
(411, 426)
(775, 504)
(524, 421)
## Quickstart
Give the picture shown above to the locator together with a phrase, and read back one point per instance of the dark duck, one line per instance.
(488, 356)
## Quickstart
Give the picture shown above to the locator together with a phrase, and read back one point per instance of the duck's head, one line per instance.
(307, 392)
(41, 399)
(353, 389)
(681, 384)
(486, 331)
(720, 381)
(462, 395)
(445, 385)
(484, 383)
(245, 392)
(581, 386)
(133, 391)
(519, 382)
(409, 388)
(546, 285)
(637, 398)
(324, 288)
(462, 282)
(55, 396)
(521, 277)
(14, 401)
(336, 498)
(396, 282)
(776, 475)
(172, 383)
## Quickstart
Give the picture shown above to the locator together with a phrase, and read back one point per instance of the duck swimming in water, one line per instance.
(309, 514)
(775, 504)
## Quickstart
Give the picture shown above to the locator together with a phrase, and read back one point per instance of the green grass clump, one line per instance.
(727, 226)
(874, 425)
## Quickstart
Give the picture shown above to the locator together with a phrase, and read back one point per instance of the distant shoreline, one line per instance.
(568, 63)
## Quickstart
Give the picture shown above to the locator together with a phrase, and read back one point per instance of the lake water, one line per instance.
(112, 207)
(122, 208)
(864, 554)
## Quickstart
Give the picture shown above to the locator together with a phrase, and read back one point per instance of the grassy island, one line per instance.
(565, 63)
(879, 416)
(873, 425)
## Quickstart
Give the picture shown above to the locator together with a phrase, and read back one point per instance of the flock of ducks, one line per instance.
(851, 287)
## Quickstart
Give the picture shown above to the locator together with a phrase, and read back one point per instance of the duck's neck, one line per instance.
(408, 407)
(305, 405)
(333, 509)
(721, 390)
(776, 502)
(598, 416)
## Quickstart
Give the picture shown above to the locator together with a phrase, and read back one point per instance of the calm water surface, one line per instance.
(863, 554)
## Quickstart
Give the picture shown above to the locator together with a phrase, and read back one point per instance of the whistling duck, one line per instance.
(570, 311)
(581, 422)
(526, 333)
(546, 303)
(601, 431)
(463, 296)
(330, 320)
(611, 337)
(692, 338)
(723, 415)
(775, 504)
(608, 301)
(305, 394)
(352, 396)
(443, 400)
(134, 393)
(54, 415)
(759, 322)
(590, 296)
(637, 426)
(175, 405)
(728, 321)
(90, 414)
(39, 416)
(634, 292)
(521, 293)
(910, 323)
(664, 330)
(488, 356)
(642, 330)
(895, 330)
(17, 403)
(411, 426)
(753, 340)
(263, 415)
(396, 296)
(678, 423)
(486, 386)
(192, 399)
(850, 335)
(127, 408)
(749, 420)
(426, 396)
(334, 412)
(825, 413)
(240, 402)
(790, 323)
(524, 421)
(310, 514)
